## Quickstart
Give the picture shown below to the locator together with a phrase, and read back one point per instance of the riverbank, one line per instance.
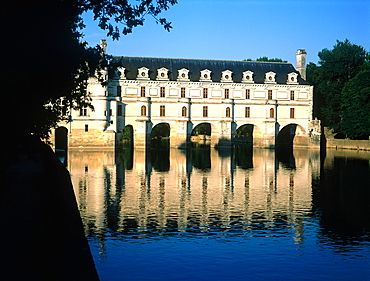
(348, 144)
(332, 143)
(41, 230)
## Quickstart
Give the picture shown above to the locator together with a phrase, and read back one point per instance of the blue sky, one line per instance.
(241, 29)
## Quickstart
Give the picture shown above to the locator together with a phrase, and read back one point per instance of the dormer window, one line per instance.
(248, 77)
(120, 72)
(143, 73)
(292, 78)
(226, 76)
(162, 74)
(205, 75)
(183, 75)
(270, 77)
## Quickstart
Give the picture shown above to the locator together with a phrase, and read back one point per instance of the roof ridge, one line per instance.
(273, 62)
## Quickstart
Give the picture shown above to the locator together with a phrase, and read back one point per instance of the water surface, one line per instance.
(236, 214)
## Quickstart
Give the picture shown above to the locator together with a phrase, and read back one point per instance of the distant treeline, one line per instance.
(266, 59)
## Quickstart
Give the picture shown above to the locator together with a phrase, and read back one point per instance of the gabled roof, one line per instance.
(132, 64)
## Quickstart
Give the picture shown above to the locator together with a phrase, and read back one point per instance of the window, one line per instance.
(291, 95)
(83, 111)
(86, 128)
(247, 94)
(163, 92)
(292, 78)
(142, 94)
(162, 110)
(183, 92)
(183, 74)
(226, 76)
(272, 113)
(226, 93)
(205, 75)
(143, 73)
(183, 111)
(162, 74)
(270, 77)
(119, 110)
(228, 112)
(247, 112)
(292, 113)
(64, 110)
(205, 111)
(143, 110)
(269, 94)
(247, 77)
(205, 93)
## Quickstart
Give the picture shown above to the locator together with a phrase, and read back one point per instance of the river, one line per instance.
(231, 214)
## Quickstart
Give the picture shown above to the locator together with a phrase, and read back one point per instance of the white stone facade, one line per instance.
(182, 98)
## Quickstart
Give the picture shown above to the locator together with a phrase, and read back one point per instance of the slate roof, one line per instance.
(132, 64)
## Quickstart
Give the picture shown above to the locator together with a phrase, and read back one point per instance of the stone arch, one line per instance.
(292, 134)
(248, 134)
(61, 144)
(128, 135)
(202, 128)
(201, 133)
(61, 138)
(244, 134)
(160, 135)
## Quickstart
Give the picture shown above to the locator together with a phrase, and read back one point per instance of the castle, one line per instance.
(270, 101)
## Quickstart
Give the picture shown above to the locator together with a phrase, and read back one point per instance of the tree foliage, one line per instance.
(267, 59)
(126, 14)
(44, 64)
(355, 120)
(336, 67)
(202, 129)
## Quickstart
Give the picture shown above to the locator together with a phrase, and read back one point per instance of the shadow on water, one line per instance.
(126, 156)
(243, 155)
(224, 152)
(160, 159)
(341, 199)
(200, 157)
(284, 154)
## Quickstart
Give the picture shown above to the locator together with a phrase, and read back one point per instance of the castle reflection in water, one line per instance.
(200, 190)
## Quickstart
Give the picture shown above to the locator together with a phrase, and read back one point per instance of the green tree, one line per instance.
(202, 129)
(355, 118)
(266, 59)
(313, 77)
(336, 68)
(44, 65)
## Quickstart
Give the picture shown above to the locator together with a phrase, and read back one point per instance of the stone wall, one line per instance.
(348, 144)
(331, 142)
(92, 138)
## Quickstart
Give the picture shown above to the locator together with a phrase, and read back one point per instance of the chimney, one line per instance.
(103, 45)
(301, 62)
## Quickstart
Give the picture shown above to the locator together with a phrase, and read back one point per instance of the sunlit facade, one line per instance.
(272, 99)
